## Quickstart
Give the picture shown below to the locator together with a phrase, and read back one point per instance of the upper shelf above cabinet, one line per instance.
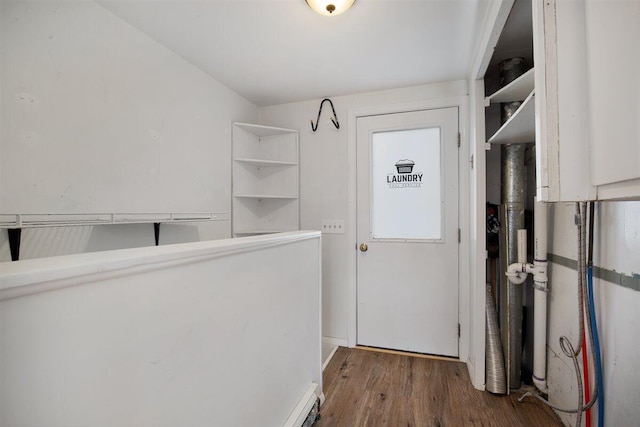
(520, 128)
(517, 90)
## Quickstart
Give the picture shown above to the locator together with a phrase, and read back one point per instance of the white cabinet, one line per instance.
(265, 180)
(587, 104)
(563, 169)
(613, 78)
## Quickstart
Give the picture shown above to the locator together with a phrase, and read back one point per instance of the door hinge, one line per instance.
(458, 330)
(458, 139)
(459, 235)
(471, 161)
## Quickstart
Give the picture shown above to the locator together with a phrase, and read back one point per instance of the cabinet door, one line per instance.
(613, 66)
(562, 138)
(587, 99)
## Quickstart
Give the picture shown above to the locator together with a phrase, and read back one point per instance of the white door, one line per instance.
(407, 207)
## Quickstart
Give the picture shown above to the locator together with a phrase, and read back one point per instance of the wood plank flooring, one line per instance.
(366, 388)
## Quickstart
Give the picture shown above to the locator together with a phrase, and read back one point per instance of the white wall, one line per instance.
(324, 176)
(169, 336)
(98, 117)
(617, 247)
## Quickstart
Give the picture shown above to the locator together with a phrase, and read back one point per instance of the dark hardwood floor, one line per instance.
(366, 388)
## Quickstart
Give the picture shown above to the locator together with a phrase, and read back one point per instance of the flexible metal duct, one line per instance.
(495, 381)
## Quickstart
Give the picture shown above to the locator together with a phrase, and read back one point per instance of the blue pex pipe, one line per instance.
(596, 343)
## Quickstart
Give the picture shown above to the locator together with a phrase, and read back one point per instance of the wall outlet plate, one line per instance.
(332, 226)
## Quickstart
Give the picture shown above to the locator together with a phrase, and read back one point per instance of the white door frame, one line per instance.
(461, 102)
(419, 306)
(489, 32)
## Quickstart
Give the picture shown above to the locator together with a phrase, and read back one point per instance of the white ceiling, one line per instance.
(278, 51)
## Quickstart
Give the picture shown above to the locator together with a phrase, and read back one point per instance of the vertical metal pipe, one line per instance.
(513, 200)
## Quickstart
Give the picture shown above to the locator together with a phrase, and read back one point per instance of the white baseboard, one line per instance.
(326, 362)
(302, 409)
(335, 341)
(478, 383)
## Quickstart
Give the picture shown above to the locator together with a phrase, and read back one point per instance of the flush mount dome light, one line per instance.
(330, 7)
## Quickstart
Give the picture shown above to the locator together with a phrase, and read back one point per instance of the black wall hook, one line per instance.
(335, 122)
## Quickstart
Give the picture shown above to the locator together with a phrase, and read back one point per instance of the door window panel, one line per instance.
(406, 184)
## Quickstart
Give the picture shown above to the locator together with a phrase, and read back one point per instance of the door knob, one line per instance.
(364, 247)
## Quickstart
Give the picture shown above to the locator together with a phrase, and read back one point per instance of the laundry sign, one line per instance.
(404, 177)
(406, 198)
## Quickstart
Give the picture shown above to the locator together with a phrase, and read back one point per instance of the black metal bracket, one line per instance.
(14, 242)
(15, 233)
(335, 122)
(156, 232)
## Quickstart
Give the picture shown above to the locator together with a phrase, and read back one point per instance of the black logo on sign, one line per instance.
(405, 166)
(405, 176)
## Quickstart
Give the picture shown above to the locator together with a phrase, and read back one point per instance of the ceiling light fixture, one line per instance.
(330, 7)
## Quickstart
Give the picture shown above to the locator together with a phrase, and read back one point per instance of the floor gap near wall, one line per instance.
(407, 353)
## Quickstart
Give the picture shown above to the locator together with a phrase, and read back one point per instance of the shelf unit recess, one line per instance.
(520, 128)
(265, 180)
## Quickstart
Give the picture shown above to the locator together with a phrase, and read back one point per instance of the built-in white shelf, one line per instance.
(261, 131)
(69, 220)
(520, 128)
(266, 163)
(517, 90)
(265, 196)
(265, 180)
(14, 223)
